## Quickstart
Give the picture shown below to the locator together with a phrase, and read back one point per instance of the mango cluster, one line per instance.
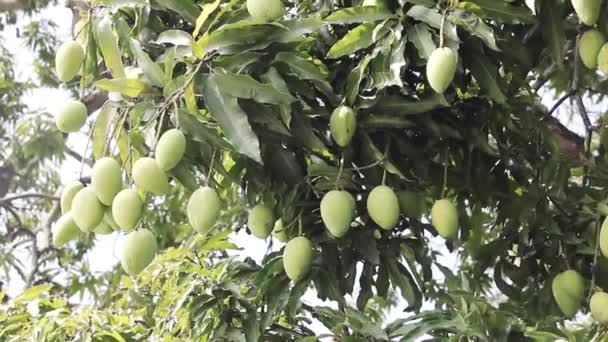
(592, 45)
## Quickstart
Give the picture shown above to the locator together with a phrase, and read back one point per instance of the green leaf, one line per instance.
(245, 87)
(354, 79)
(475, 26)
(360, 14)
(399, 105)
(33, 293)
(108, 44)
(202, 18)
(126, 86)
(386, 66)
(185, 8)
(486, 75)
(420, 36)
(401, 278)
(151, 70)
(103, 123)
(553, 31)
(273, 77)
(500, 11)
(174, 37)
(433, 18)
(358, 38)
(301, 67)
(379, 155)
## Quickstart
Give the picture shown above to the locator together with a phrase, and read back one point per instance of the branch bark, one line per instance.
(10, 198)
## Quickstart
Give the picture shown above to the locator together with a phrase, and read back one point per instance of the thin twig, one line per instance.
(10, 198)
(595, 258)
(559, 102)
(210, 171)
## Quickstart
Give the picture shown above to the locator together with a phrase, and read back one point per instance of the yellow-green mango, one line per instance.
(412, 204)
(203, 209)
(65, 230)
(297, 258)
(67, 195)
(589, 47)
(568, 290)
(127, 209)
(106, 179)
(170, 149)
(71, 116)
(444, 217)
(441, 68)
(261, 221)
(588, 11)
(265, 10)
(342, 125)
(383, 207)
(138, 249)
(103, 228)
(598, 305)
(68, 60)
(338, 211)
(86, 210)
(278, 231)
(604, 237)
(109, 218)
(602, 59)
(148, 176)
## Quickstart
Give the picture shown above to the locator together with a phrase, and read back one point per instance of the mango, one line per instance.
(65, 230)
(602, 59)
(598, 305)
(103, 228)
(127, 209)
(383, 207)
(71, 116)
(338, 211)
(203, 209)
(604, 237)
(412, 204)
(106, 179)
(297, 258)
(278, 231)
(170, 149)
(68, 60)
(444, 217)
(109, 218)
(67, 195)
(589, 47)
(261, 221)
(588, 11)
(87, 211)
(342, 125)
(148, 176)
(441, 68)
(138, 249)
(265, 10)
(568, 290)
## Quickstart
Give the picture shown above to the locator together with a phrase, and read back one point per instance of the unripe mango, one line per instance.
(87, 211)
(127, 209)
(170, 149)
(138, 249)
(68, 60)
(109, 218)
(441, 68)
(279, 231)
(589, 47)
(604, 237)
(148, 176)
(67, 195)
(71, 116)
(103, 228)
(106, 179)
(599, 306)
(65, 230)
(602, 59)
(383, 207)
(342, 125)
(444, 217)
(260, 221)
(568, 291)
(588, 11)
(411, 204)
(203, 209)
(265, 10)
(297, 258)
(338, 211)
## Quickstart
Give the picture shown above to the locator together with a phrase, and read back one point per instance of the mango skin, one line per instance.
(67, 195)
(604, 237)
(383, 207)
(87, 211)
(148, 176)
(589, 47)
(265, 10)
(338, 211)
(68, 60)
(444, 217)
(598, 305)
(170, 149)
(602, 59)
(71, 116)
(441, 68)
(261, 220)
(138, 249)
(65, 230)
(342, 125)
(106, 179)
(103, 228)
(278, 231)
(411, 203)
(297, 258)
(568, 290)
(203, 209)
(109, 218)
(588, 11)
(127, 209)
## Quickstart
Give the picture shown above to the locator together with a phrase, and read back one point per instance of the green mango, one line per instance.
(148, 176)
(103, 228)
(342, 125)
(127, 209)
(203, 209)
(170, 149)
(412, 204)
(109, 218)
(568, 290)
(444, 217)
(68, 60)
(602, 59)
(588, 11)
(106, 179)
(589, 47)
(71, 116)
(441, 68)
(138, 249)
(265, 10)
(278, 231)
(65, 230)
(604, 237)
(87, 210)
(67, 195)
(338, 211)
(261, 220)
(383, 207)
(598, 305)
(297, 258)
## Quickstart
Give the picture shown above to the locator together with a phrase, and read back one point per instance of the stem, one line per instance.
(340, 170)
(441, 27)
(122, 123)
(86, 148)
(595, 258)
(300, 229)
(384, 177)
(444, 189)
(210, 171)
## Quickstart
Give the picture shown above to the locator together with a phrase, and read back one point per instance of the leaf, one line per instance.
(475, 26)
(486, 75)
(126, 86)
(501, 11)
(553, 31)
(379, 155)
(202, 18)
(399, 105)
(401, 278)
(420, 36)
(246, 87)
(433, 18)
(361, 14)
(103, 123)
(386, 67)
(301, 67)
(354, 79)
(108, 45)
(33, 293)
(226, 110)
(356, 39)
(174, 37)
(273, 77)
(185, 8)
(151, 70)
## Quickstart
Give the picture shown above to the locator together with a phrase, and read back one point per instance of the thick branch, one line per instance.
(10, 198)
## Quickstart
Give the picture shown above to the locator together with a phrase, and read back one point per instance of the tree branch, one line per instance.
(10, 198)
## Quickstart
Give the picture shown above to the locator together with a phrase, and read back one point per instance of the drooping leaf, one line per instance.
(361, 14)
(186, 8)
(399, 105)
(152, 70)
(501, 11)
(552, 28)
(358, 38)
(245, 87)
(105, 120)
(126, 86)
(107, 42)
(420, 35)
(475, 26)
(202, 18)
